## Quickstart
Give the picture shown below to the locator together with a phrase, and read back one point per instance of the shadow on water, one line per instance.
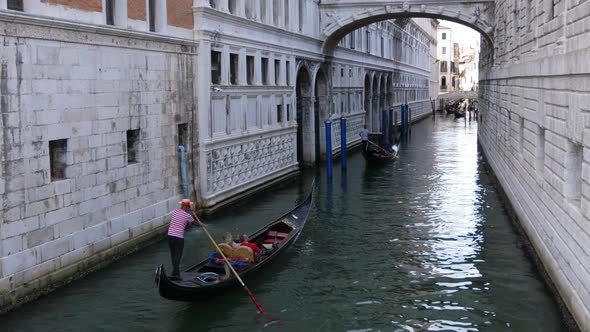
(423, 243)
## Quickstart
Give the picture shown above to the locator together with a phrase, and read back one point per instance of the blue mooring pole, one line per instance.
(343, 141)
(329, 146)
(391, 138)
(403, 120)
(383, 127)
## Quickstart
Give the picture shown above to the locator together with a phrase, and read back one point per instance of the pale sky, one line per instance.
(463, 35)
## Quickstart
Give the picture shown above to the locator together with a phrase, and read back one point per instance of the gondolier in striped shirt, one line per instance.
(181, 217)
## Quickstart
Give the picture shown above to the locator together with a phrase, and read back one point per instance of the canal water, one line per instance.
(420, 244)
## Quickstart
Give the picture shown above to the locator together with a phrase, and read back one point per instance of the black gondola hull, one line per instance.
(191, 289)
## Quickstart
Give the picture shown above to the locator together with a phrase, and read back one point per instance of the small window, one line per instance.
(350, 73)
(341, 72)
(57, 159)
(183, 134)
(277, 72)
(264, 65)
(368, 41)
(15, 5)
(152, 14)
(110, 11)
(215, 67)
(288, 112)
(280, 113)
(444, 50)
(233, 68)
(132, 145)
(444, 36)
(250, 69)
(287, 73)
(353, 40)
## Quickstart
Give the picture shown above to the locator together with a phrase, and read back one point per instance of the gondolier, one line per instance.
(364, 134)
(181, 217)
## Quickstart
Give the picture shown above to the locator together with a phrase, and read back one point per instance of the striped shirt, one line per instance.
(178, 222)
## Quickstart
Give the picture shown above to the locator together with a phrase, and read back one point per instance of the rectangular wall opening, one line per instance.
(540, 150)
(132, 145)
(110, 11)
(215, 67)
(57, 159)
(233, 68)
(15, 5)
(288, 112)
(521, 135)
(287, 73)
(183, 134)
(277, 72)
(574, 162)
(152, 15)
(264, 65)
(250, 70)
(279, 113)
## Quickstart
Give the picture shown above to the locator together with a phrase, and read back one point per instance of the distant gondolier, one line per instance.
(364, 134)
(181, 217)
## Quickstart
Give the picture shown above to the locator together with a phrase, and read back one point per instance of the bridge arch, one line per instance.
(339, 19)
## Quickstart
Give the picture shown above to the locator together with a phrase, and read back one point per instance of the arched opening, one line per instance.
(367, 101)
(375, 105)
(389, 92)
(321, 112)
(304, 119)
(443, 83)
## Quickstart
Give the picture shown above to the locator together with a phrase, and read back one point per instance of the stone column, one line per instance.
(241, 8)
(224, 63)
(223, 5)
(242, 68)
(201, 3)
(256, 10)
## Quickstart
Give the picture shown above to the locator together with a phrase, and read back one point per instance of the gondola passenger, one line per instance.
(245, 242)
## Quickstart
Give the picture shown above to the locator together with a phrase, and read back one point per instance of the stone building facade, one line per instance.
(534, 128)
(96, 96)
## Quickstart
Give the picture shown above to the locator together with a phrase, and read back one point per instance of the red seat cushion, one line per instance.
(272, 240)
(277, 234)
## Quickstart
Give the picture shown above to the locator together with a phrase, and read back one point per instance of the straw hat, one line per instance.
(186, 202)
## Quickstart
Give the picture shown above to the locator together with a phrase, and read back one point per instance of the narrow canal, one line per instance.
(421, 244)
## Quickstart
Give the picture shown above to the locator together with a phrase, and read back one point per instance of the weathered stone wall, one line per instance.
(89, 87)
(534, 129)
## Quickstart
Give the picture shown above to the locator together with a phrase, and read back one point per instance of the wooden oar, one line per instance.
(258, 306)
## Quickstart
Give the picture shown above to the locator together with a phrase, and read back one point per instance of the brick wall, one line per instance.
(535, 132)
(136, 10)
(87, 5)
(180, 13)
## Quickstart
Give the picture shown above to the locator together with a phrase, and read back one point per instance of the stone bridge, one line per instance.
(340, 17)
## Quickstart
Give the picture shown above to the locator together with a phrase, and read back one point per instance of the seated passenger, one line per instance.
(250, 245)
(228, 239)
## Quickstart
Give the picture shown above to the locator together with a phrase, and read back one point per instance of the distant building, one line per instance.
(446, 55)
(469, 68)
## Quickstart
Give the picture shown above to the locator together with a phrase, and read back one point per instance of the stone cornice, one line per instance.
(54, 23)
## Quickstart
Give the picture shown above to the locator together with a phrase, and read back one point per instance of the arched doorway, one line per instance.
(321, 112)
(367, 101)
(303, 99)
(375, 106)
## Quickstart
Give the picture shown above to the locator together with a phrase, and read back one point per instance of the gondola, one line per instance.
(376, 154)
(203, 279)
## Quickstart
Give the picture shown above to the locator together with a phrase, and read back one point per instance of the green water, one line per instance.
(421, 244)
